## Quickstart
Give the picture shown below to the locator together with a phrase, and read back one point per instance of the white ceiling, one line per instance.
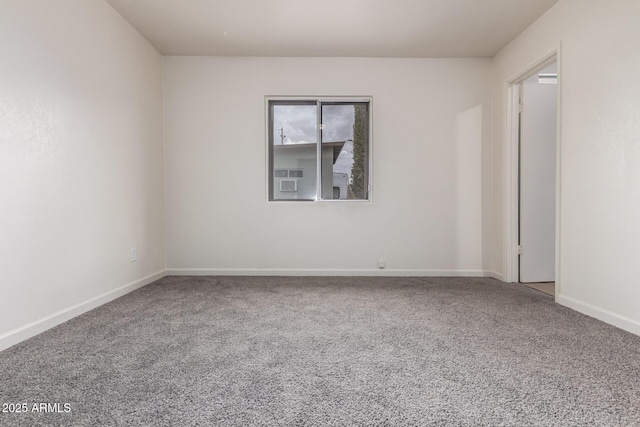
(356, 28)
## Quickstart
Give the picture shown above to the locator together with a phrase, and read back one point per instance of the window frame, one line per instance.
(319, 101)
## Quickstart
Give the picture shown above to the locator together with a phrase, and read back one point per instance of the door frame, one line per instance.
(512, 167)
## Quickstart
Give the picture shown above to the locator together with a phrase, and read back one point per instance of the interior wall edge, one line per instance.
(321, 272)
(617, 320)
(32, 329)
(22, 333)
(494, 275)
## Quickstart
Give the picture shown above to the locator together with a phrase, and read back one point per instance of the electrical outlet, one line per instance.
(380, 263)
(133, 256)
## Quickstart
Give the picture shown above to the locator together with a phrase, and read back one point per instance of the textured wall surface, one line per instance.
(81, 166)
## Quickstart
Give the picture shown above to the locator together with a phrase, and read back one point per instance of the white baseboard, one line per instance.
(494, 274)
(606, 316)
(32, 329)
(320, 272)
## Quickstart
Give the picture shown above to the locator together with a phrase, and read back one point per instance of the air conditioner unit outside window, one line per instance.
(289, 185)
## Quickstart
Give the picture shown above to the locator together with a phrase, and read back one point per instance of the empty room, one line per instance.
(348, 212)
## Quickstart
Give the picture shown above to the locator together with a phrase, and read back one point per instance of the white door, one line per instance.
(538, 181)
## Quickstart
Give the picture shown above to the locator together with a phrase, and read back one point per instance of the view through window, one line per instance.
(319, 149)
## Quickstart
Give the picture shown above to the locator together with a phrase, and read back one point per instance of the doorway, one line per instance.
(537, 97)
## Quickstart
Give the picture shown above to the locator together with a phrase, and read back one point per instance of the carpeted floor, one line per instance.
(328, 351)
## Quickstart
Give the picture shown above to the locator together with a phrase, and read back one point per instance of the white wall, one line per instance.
(600, 151)
(430, 121)
(81, 161)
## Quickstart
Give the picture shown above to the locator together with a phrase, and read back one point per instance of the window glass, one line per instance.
(345, 150)
(294, 151)
(332, 164)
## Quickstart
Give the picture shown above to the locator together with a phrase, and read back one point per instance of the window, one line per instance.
(319, 149)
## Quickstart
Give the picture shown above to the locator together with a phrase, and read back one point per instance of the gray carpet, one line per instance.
(244, 351)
